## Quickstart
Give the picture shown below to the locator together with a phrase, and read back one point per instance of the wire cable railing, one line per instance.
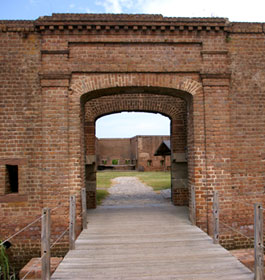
(28, 225)
(258, 232)
(33, 266)
(46, 233)
(21, 230)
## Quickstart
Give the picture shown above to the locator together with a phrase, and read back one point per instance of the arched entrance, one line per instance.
(173, 107)
(173, 96)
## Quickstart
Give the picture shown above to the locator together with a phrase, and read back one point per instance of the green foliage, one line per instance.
(100, 195)
(115, 161)
(5, 270)
(4, 264)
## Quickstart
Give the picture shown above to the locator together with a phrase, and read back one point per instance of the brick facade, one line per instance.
(51, 68)
(136, 153)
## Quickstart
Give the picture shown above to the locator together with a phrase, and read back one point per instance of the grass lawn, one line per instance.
(156, 180)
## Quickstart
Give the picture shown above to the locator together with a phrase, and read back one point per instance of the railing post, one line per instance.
(215, 217)
(258, 242)
(45, 244)
(84, 210)
(72, 223)
(193, 206)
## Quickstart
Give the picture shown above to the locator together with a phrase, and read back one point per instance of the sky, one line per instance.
(131, 124)
(234, 10)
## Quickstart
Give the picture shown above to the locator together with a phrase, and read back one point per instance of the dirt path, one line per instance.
(131, 191)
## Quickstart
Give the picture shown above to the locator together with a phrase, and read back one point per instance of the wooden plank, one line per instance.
(45, 244)
(215, 217)
(72, 223)
(193, 206)
(258, 242)
(84, 208)
(168, 247)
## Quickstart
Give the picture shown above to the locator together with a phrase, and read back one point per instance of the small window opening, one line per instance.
(115, 162)
(127, 161)
(104, 161)
(12, 179)
(149, 162)
(162, 162)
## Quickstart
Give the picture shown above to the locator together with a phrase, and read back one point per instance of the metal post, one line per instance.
(72, 223)
(45, 244)
(84, 210)
(258, 242)
(215, 217)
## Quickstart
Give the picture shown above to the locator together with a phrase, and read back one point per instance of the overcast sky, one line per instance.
(130, 124)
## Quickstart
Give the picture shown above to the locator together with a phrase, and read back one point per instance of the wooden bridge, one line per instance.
(151, 242)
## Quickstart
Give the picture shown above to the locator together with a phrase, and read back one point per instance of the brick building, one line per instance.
(59, 73)
(136, 153)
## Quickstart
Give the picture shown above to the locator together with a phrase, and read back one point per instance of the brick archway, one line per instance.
(172, 107)
(86, 88)
(169, 106)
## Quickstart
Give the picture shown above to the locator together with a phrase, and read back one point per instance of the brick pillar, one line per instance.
(179, 168)
(90, 168)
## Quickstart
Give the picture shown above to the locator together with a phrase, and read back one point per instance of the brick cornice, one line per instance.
(109, 23)
(186, 42)
(126, 23)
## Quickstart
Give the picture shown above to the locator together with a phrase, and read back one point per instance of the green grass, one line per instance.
(100, 195)
(156, 180)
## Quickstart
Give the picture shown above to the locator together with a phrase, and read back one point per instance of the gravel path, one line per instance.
(131, 191)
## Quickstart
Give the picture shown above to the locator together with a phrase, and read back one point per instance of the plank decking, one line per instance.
(151, 242)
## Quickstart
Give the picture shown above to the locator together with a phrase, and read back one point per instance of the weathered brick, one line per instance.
(56, 75)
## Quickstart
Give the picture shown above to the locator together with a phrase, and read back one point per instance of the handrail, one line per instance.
(46, 229)
(258, 232)
(24, 228)
(28, 225)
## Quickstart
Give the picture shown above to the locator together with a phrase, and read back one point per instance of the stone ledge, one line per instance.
(36, 272)
(13, 197)
(245, 256)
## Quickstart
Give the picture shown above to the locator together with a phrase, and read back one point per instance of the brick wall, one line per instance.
(137, 151)
(50, 68)
(147, 146)
(113, 149)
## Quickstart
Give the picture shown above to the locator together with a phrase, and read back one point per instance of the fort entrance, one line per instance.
(175, 103)
(173, 107)
(60, 73)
